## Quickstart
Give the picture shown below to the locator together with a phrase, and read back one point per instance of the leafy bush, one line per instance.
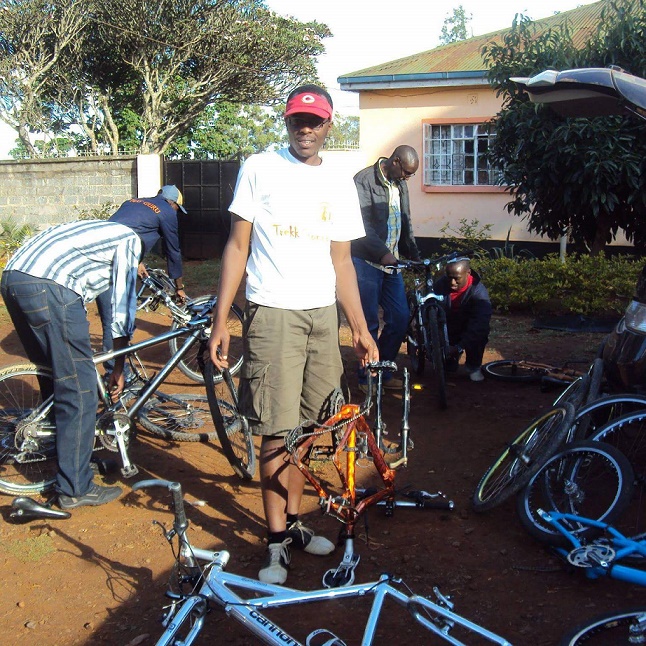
(466, 236)
(586, 285)
(12, 235)
(103, 212)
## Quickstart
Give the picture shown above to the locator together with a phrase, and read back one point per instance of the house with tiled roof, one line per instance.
(439, 101)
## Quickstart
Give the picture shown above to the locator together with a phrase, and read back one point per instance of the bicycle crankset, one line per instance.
(596, 555)
(105, 426)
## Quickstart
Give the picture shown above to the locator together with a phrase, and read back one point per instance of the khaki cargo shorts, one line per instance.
(292, 364)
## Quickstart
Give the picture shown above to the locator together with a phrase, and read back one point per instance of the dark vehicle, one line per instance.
(592, 92)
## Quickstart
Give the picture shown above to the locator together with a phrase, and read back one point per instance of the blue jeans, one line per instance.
(53, 328)
(377, 288)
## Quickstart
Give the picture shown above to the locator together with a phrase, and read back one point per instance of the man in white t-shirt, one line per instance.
(299, 215)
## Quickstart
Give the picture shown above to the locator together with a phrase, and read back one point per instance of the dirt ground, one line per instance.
(100, 576)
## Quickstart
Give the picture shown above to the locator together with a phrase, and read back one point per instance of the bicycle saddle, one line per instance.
(25, 509)
(386, 366)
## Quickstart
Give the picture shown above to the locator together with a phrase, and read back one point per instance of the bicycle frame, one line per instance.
(601, 556)
(120, 430)
(213, 585)
(358, 441)
(425, 297)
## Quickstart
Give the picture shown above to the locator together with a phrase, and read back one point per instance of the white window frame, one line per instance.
(454, 155)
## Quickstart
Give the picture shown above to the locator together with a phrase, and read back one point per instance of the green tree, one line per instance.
(345, 132)
(135, 74)
(585, 176)
(229, 130)
(456, 26)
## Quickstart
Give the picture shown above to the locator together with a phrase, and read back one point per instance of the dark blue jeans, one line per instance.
(378, 288)
(52, 325)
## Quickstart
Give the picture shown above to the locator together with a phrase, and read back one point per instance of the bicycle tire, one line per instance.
(415, 341)
(32, 468)
(437, 356)
(190, 364)
(231, 426)
(184, 418)
(523, 457)
(510, 370)
(589, 479)
(609, 628)
(602, 410)
(596, 379)
(576, 393)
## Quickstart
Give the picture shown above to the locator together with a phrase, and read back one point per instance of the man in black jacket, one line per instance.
(385, 207)
(468, 315)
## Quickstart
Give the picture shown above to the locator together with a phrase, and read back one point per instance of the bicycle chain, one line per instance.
(296, 435)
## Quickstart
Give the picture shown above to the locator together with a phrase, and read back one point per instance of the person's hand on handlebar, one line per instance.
(388, 259)
(142, 272)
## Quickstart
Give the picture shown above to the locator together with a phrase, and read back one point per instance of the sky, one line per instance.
(366, 34)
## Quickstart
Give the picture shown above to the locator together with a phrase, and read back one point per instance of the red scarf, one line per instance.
(456, 297)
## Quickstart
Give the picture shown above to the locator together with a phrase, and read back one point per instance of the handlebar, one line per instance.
(180, 523)
(428, 262)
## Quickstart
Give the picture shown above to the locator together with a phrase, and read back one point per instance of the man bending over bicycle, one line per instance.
(46, 285)
(468, 315)
(298, 212)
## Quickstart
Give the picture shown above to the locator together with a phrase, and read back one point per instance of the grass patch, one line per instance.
(200, 276)
(31, 549)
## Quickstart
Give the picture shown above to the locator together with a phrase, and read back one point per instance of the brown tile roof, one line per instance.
(464, 56)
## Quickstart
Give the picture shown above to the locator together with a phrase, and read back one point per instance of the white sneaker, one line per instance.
(476, 375)
(303, 538)
(276, 564)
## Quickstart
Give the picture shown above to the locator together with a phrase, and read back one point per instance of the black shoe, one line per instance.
(97, 495)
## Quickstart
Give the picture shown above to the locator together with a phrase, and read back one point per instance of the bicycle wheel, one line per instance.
(576, 393)
(619, 628)
(232, 427)
(511, 370)
(628, 434)
(523, 458)
(27, 446)
(437, 356)
(596, 378)
(598, 413)
(415, 341)
(589, 479)
(190, 365)
(185, 418)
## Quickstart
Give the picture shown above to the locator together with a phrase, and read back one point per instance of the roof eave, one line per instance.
(399, 81)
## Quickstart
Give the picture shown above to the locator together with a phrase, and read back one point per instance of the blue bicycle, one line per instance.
(612, 555)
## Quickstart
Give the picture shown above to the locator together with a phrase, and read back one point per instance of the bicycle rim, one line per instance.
(523, 458)
(190, 364)
(619, 628)
(437, 355)
(27, 451)
(589, 479)
(232, 427)
(185, 418)
(510, 370)
(628, 434)
(599, 412)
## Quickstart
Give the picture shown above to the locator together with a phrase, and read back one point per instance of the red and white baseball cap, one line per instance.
(309, 103)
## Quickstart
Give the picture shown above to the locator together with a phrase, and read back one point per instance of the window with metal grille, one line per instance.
(454, 155)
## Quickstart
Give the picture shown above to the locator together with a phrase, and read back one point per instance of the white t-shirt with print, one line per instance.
(297, 210)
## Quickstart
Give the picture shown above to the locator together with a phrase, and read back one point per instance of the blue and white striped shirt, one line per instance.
(87, 257)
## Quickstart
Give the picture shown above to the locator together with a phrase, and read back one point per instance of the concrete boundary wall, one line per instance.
(50, 191)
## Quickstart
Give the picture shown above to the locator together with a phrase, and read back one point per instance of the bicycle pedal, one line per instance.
(129, 472)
